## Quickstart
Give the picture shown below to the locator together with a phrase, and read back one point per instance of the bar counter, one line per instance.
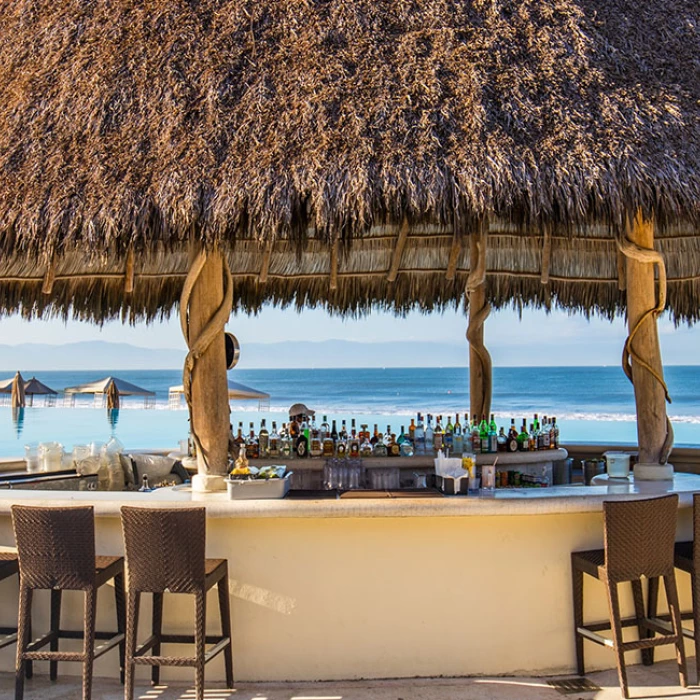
(378, 588)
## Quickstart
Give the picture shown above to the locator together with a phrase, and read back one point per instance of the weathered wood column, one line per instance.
(480, 383)
(642, 355)
(204, 309)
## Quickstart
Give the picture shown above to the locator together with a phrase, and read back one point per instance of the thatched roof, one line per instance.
(102, 386)
(128, 126)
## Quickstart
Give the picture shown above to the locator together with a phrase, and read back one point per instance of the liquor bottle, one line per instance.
(512, 444)
(341, 445)
(419, 436)
(475, 436)
(365, 445)
(554, 439)
(429, 435)
(239, 439)
(353, 442)
(302, 442)
(457, 437)
(536, 422)
(343, 431)
(523, 438)
(438, 435)
(375, 436)
(286, 443)
(325, 429)
(544, 434)
(393, 447)
(334, 432)
(406, 448)
(252, 448)
(493, 435)
(274, 450)
(411, 431)
(448, 438)
(532, 438)
(294, 428)
(502, 440)
(263, 440)
(328, 446)
(315, 442)
(379, 449)
(484, 435)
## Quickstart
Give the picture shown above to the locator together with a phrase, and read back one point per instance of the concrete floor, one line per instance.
(645, 682)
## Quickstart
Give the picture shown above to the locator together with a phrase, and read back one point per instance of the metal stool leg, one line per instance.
(56, 596)
(157, 631)
(23, 627)
(132, 621)
(225, 610)
(199, 641)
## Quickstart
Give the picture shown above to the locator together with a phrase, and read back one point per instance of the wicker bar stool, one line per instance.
(687, 558)
(165, 552)
(8, 567)
(638, 541)
(56, 548)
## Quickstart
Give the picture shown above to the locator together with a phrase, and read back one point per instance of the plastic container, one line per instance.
(50, 456)
(31, 458)
(248, 489)
(618, 464)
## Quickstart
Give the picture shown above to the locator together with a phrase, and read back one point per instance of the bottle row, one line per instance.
(307, 439)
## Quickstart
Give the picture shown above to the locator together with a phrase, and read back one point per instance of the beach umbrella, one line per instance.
(112, 396)
(18, 419)
(33, 387)
(18, 399)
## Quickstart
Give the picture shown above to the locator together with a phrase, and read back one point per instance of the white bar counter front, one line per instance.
(377, 588)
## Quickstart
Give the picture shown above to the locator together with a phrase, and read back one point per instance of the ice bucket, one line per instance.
(618, 464)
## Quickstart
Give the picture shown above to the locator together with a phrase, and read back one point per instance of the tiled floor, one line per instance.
(645, 682)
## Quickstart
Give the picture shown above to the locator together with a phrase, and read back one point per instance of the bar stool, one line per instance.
(638, 541)
(8, 567)
(56, 548)
(687, 558)
(165, 552)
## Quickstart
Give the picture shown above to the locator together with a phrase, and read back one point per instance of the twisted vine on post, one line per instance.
(477, 318)
(648, 256)
(197, 346)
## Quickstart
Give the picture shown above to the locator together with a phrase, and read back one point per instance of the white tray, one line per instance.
(242, 489)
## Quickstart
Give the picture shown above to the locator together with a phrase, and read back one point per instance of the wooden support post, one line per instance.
(210, 407)
(333, 283)
(129, 272)
(398, 251)
(50, 275)
(479, 358)
(649, 392)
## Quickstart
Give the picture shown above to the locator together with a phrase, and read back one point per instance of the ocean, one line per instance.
(591, 404)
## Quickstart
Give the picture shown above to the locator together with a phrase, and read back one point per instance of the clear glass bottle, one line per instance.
(274, 450)
(438, 435)
(457, 437)
(353, 442)
(406, 448)
(502, 440)
(448, 437)
(240, 438)
(263, 440)
(544, 434)
(379, 449)
(328, 445)
(429, 435)
(532, 440)
(286, 444)
(512, 444)
(392, 446)
(375, 436)
(365, 446)
(419, 436)
(302, 442)
(554, 440)
(341, 445)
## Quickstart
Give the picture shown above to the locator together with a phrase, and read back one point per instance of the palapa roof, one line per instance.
(100, 386)
(273, 129)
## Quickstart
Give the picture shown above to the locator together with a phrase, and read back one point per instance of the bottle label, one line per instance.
(301, 448)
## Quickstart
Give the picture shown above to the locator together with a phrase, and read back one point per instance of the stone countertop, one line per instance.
(544, 501)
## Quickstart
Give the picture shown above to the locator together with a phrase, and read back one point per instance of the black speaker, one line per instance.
(233, 350)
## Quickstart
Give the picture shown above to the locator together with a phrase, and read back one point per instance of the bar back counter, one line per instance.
(376, 588)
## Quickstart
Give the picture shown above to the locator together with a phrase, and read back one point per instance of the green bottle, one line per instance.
(484, 435)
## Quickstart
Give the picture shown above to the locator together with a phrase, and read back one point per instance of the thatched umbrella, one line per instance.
(18, 399)
(33, 387)
(351, 155)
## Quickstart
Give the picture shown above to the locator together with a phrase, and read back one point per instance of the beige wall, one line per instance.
(381, 597)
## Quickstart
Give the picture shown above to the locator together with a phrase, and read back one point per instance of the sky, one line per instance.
(537, 338)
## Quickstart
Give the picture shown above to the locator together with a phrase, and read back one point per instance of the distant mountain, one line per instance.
(330, 353)
(95, 354)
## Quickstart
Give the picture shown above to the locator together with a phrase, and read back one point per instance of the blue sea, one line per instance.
(592, 404)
